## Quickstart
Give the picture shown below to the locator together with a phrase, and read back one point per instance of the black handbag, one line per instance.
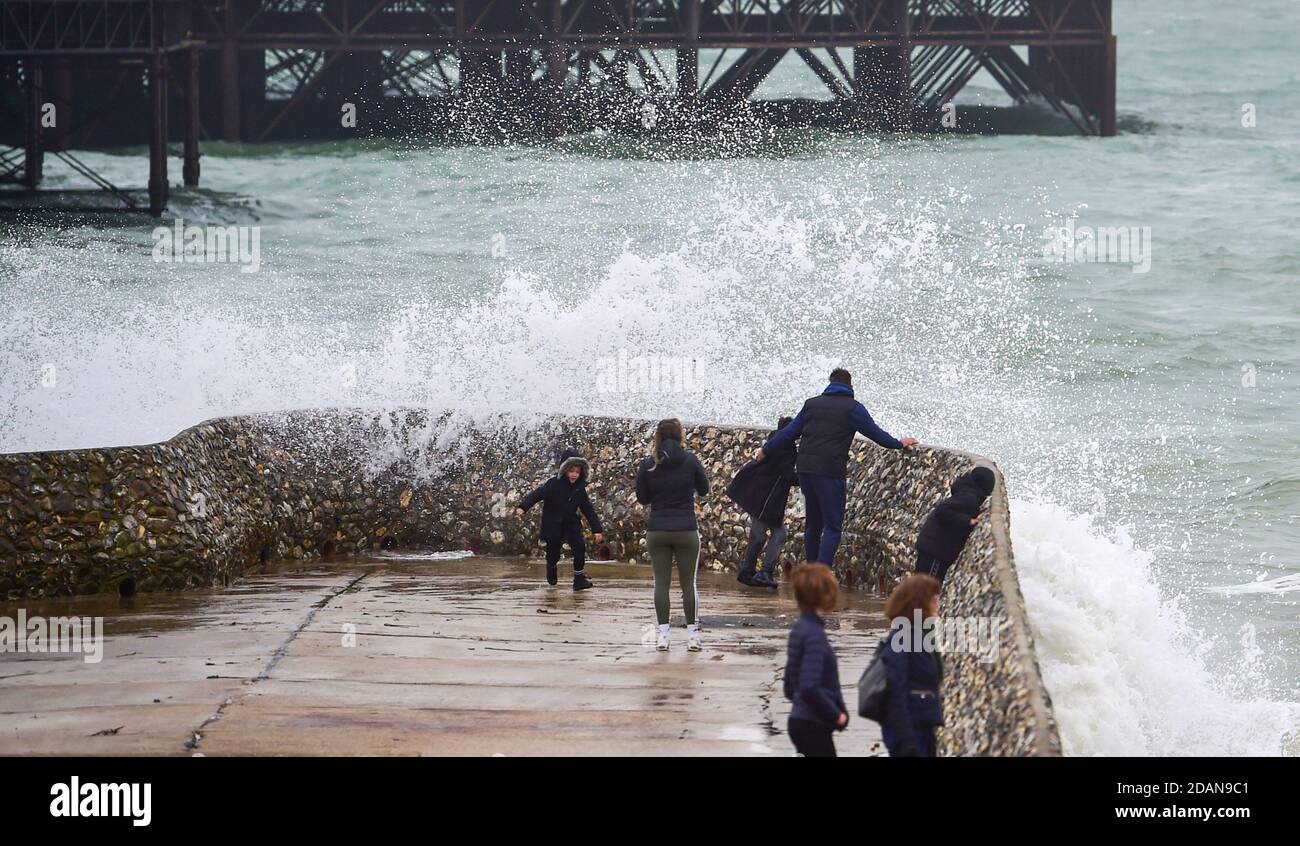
(873, 687)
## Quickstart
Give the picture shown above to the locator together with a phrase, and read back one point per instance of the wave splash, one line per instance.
(1120, 660)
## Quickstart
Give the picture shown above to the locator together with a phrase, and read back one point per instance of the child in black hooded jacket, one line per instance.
(945, 531)
(562, 498)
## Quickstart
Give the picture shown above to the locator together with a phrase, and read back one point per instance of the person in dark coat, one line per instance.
(944, 532)
(812, 674)
(562, 498)
(762, 490)
(824, 429)
(913, 669)
(668, 482)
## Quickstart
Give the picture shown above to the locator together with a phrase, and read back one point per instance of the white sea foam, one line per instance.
(1120, 661)
(454, 555)
(1281, 584)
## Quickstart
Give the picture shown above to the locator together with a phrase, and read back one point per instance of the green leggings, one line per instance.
(663, 548)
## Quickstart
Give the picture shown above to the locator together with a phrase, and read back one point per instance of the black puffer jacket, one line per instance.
(670, 489)
(945, 531)
(562, 500)
(762, 488)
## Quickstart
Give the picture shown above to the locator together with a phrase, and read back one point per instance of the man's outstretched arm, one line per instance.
(863, 423)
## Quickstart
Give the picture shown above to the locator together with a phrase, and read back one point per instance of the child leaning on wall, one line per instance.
(562, 497)
(945, 531)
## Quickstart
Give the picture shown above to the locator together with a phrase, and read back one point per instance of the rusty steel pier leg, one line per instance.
(882, 72)
(229, 90)
(34, 152)
(157, 134)
(557, 71)
(903, 92)
(688, 76)
(688, 58)
(875, 71)
(230, 130)
(190, 168)
(1109, 121)
(62, 97)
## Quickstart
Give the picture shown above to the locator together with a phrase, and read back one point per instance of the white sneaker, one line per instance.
(662, 645)
(693, 639)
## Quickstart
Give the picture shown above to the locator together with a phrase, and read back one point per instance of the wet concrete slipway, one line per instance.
(423, 656)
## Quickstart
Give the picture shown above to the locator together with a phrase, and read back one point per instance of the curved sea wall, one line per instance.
(224, 497)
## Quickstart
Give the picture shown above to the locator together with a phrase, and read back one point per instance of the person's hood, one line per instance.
(673, 453)
(772, 434)
(838, 389)
(979, 481)
(573, 458)
(970, 490)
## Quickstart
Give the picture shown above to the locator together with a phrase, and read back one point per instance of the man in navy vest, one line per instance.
(825, 429)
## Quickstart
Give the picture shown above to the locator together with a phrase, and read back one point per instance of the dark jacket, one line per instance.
(914, 676)
(762, 488)
(670, 489)
(561, 500)
(812, 674)
(944, 532)
(824, 429)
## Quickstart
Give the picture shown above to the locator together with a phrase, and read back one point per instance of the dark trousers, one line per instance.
(811, 740)
(924, 741)
(554, 549)
(823, 498)
(931, 566)
(758, 539)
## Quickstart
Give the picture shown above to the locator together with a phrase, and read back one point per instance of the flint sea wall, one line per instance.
(227, 496)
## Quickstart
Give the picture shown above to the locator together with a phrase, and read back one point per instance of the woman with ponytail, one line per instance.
(668, 481)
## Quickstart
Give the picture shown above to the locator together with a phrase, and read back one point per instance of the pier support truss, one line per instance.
(78, 65)
(128, 71)
(899, 61)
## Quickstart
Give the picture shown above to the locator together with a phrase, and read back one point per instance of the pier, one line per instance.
(104, 73)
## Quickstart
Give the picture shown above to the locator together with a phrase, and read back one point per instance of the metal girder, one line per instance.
(277, 55)
(86, 27)
(590, 24)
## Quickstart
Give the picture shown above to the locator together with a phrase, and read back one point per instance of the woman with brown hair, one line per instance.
(812, 674)
(668, 481)
(913, 667)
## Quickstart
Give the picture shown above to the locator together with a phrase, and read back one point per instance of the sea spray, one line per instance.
(1119, 660)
